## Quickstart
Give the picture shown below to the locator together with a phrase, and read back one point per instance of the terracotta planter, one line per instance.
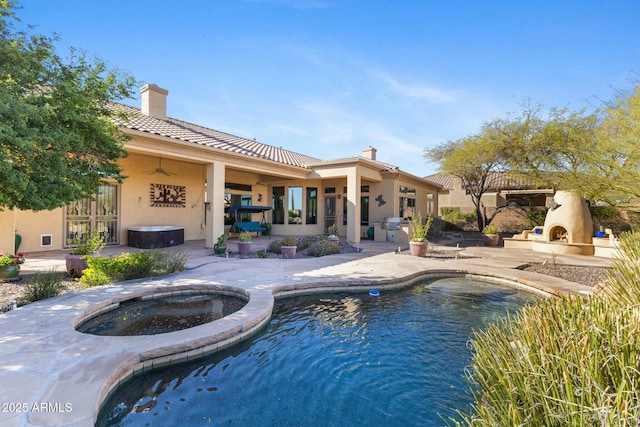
(10, 272)
(244, 248)
(491, 239)
(289, 252)
(76, 264)
(418, 248)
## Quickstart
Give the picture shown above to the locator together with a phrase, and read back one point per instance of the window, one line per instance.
(295, 205)
(312, 205)
(277, 203)
(407, 207)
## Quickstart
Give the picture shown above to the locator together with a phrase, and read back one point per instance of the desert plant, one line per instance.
(222, 239)
(418, 228)
(87, 245)
(323, 247)
(245, 236)
(566, 360)
(334, 229)
(43, 285)
(490, 229)
(288, 241)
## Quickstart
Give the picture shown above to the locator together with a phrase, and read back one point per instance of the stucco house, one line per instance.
(188, 176)
(513, 194)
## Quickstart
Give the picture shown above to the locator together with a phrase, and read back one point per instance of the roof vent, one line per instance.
(154, 101)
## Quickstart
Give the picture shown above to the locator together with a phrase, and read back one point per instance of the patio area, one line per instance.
(55, 375)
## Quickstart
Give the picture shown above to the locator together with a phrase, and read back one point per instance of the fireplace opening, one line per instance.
(559, 234)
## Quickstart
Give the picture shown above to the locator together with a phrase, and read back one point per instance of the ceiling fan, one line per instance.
(161, 170)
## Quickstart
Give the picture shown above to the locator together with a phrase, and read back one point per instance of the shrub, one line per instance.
(535, 217)
(610, 217)
(132, 265)
(455, 219)
(564, 361)
(43, 285)
(306, 241)
(323, 247)
(275, 246)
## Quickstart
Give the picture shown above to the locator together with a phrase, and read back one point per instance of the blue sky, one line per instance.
(329, 77)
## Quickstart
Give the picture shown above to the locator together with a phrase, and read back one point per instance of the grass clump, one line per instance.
(132, 265)
(43, 285)
(564, 361)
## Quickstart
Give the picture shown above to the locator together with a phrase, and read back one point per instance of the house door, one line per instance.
(94, 213)
(329, 211)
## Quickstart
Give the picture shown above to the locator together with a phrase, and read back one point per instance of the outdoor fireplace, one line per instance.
(568, 219)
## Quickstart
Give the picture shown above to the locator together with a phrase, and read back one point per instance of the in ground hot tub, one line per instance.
(159, 236)
(162, 312)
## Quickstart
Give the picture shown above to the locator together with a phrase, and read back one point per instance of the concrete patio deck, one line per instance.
(52, 375)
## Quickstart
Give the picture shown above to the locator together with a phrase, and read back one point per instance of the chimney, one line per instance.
(369, 153)
(154, 101)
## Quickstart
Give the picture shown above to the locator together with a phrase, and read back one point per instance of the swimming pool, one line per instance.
(396, 359)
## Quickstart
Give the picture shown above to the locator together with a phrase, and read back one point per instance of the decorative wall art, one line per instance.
(168, 196)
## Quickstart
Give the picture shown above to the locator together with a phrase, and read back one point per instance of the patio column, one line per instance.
(353, 205)
(215, 175)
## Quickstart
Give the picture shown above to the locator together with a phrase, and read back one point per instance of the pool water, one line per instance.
(337, 360)
(161, 315)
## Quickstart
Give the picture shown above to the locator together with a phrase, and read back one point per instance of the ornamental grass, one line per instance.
(563, 361)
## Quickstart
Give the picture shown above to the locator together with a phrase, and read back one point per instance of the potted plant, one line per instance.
(288, 247)
(87, 245)
(490, 235)
(418, 230)
(220, 247)
(10, 266)
(244, 244)
(334, 234)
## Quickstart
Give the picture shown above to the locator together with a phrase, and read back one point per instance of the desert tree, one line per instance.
(58, 140)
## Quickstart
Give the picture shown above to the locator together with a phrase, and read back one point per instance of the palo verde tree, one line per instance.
(477, 161)
(596, 155)
(57, 138)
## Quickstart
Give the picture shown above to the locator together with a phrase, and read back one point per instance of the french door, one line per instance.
(99, 212)
(329, 211)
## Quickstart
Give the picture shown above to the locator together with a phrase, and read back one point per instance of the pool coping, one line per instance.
(46, 362)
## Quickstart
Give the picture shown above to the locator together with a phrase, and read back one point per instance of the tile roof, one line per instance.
(184, 131)
(445, 180)
(497, 180)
